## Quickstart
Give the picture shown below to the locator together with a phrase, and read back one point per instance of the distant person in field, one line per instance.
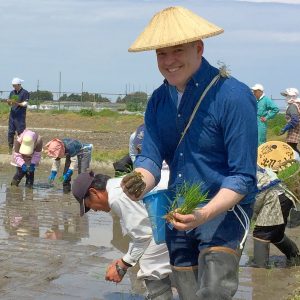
(292, 116)
(266, 110)
(125, 164)
(26, 156)
(76, 153)
(18, 100)
(135, 142)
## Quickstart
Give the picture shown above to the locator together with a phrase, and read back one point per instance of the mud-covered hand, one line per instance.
(133, 184)
(67, 175)
(24, 168)
(32, 168)
(52, 176)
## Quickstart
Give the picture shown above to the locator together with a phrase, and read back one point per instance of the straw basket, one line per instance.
(157, 204)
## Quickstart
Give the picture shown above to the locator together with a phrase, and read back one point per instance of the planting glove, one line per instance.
(32, 168)
(52, 176)
(24, 168)
(134, 183)
(67, 175)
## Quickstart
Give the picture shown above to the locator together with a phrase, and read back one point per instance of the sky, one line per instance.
(85, 42)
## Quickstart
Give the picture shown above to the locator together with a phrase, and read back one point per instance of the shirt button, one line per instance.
(181, 154)
(197, 83)
(179, 175)
(179, 115)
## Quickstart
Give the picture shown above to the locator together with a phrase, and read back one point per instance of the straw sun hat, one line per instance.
(273, 153)
(174, 26)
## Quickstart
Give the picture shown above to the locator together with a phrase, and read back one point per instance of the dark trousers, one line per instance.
(275, 233)
(15, 124)
(20, 174)
(294, 146)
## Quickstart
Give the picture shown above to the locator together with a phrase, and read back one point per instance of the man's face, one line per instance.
(178, 63)
(17, 87)
(257, 94)
(97, 200)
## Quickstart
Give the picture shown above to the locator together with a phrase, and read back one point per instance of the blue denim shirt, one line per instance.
(219, 149)
(72, 147)
(23, 95)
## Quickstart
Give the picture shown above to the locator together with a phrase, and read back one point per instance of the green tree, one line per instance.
(40, 96)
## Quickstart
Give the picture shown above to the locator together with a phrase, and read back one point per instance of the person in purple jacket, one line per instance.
(26, 156)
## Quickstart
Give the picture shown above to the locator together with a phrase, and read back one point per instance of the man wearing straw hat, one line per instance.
(201, 122)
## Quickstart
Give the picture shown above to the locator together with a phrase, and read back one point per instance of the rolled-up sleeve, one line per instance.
(240, 137)
(151, 157)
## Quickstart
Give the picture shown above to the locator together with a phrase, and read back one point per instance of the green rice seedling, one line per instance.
(14, 97)
(289, 173)
(187, 199)
(289, 170)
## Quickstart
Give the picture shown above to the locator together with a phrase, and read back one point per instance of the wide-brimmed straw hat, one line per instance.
(174, 26)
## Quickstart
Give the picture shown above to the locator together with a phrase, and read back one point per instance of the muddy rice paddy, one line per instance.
(48, 252)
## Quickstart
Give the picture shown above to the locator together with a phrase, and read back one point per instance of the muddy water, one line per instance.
(48, 252)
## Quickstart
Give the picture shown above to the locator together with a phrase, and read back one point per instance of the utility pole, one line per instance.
(59, 90)
(81, 92)
(37, 94)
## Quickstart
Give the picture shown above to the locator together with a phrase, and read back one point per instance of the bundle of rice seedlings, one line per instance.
(187, 199)
(289, 174)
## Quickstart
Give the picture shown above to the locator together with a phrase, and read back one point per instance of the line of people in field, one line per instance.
(200, 122)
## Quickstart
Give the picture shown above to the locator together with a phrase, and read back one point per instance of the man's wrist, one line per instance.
(126, 264)
(121, 271)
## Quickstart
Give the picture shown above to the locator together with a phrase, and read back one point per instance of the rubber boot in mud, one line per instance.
(261, 250)
(159, 289)
(218, 274)
(290, 250)
(186, 282)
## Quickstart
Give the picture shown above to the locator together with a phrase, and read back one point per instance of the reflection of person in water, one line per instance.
(72, 228)
(19, 220)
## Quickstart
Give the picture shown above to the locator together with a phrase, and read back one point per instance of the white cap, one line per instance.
(257, 86)
(17, 80)
(290, 92)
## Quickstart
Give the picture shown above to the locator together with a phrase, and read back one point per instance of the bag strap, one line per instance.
(214, 80)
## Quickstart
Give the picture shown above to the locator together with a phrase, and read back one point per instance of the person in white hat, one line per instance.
(292, 116)
(18, 100)
(266, 110)
(201, 122)
(26, 157)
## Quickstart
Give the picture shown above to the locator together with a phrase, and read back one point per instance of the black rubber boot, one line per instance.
(66, 187)
(261, 252)
(29, 180)
(15, 182)
(294, 218)
(159, 289)
(186, 282)
(218, 275)
(290, 250)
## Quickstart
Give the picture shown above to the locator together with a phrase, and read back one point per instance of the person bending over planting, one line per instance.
(74, 152)
(26, 156)
(100, 193)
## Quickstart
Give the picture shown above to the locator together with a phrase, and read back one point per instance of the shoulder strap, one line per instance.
(197, 106)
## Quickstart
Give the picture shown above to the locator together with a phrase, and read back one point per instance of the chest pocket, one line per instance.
(204, 133)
